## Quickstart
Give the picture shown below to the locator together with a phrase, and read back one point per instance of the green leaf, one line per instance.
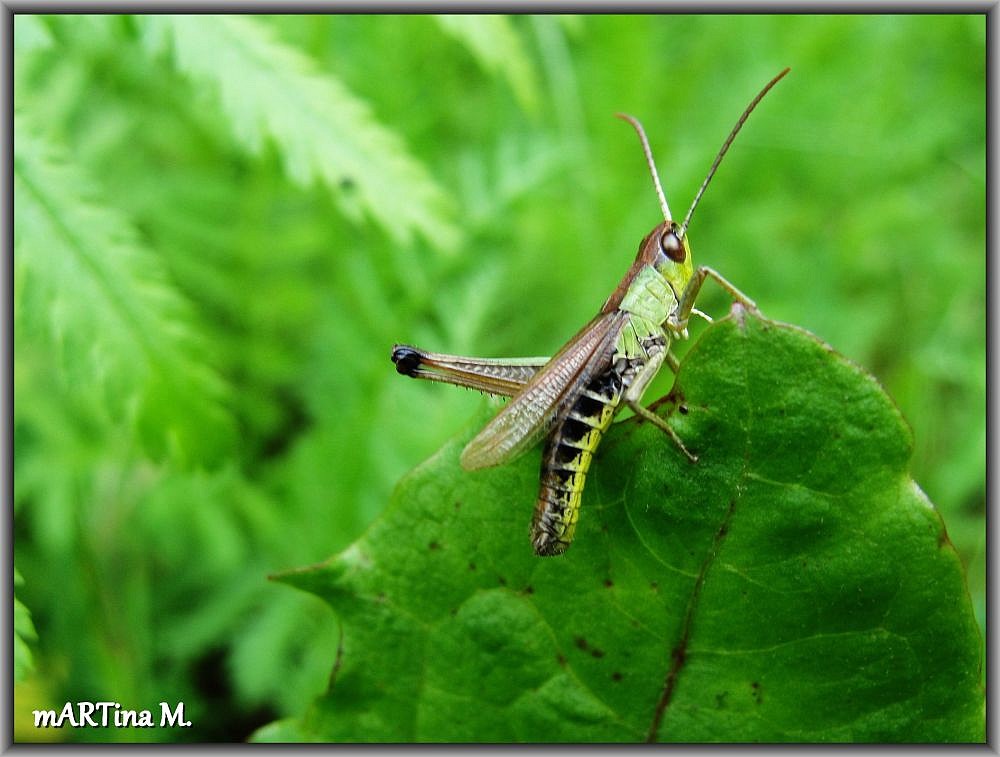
(324, 131)
(793, 585)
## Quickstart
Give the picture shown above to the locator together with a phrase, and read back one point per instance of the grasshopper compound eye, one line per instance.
(672, 246)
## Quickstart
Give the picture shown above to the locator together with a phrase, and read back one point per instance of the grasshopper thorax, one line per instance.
(665, 250)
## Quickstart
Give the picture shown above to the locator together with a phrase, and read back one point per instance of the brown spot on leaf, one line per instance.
(501, 580)
(608, 583)
(942, 539)
(598, 653)
(581, 643)
(561, 660)
(433, 546)
(472, 566)
(529, 589)
(616, 676)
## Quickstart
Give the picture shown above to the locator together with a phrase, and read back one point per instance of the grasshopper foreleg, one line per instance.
(672, 363)
(633, 397)
(679, 319)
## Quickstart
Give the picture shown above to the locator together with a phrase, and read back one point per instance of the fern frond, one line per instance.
(24, 632)
(322, 130)
(98, 302)
(495, 45)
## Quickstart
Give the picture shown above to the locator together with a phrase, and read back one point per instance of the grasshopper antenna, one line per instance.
(725, 147)
(649, 161)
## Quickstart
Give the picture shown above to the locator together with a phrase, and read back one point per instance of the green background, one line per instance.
(222, 226)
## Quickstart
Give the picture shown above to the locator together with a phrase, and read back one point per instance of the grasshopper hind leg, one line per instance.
(661, 424)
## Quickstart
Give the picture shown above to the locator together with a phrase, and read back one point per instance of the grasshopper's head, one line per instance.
(667, 250)
(666, 246)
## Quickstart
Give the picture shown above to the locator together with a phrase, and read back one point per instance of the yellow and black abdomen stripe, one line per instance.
(566, 459)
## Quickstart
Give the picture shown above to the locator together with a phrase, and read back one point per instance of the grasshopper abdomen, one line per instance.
(566, 458)
(570, 447)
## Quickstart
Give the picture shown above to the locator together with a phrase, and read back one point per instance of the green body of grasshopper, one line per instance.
(571, 399)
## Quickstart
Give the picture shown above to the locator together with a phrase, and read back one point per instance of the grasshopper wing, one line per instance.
(533, 410)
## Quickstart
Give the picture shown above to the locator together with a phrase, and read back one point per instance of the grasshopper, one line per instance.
(571, 398)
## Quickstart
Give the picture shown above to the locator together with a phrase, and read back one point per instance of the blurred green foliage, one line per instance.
(222, 225)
